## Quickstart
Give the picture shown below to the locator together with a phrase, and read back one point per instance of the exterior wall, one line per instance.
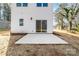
(37, 13)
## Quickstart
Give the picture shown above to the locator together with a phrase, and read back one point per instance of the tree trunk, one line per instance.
(70, 25)
(62, 25)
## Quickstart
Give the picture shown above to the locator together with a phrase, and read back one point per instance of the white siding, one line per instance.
(37, 13)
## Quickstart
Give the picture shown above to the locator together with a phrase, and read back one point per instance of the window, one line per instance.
(45, 4)
(25, 4)
(18, 4)
(42, 4)
(21, 22)
(22, 4)
(39, 4)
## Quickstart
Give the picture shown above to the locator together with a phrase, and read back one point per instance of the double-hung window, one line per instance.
(18, 4)
(21, 22)
(22, 4)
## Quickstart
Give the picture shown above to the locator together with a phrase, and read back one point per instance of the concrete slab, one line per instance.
(40, 39)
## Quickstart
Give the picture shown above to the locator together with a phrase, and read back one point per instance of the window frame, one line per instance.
(21, 22)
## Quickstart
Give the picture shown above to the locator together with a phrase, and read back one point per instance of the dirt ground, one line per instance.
(71, 49)
(10, 49)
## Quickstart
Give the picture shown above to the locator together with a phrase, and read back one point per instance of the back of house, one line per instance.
(31, 18)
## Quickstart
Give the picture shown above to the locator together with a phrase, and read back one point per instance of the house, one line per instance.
(31, 18)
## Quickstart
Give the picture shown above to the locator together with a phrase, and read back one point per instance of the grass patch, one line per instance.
(3, 29)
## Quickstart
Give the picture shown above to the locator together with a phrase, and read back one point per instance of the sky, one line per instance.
(55, 6)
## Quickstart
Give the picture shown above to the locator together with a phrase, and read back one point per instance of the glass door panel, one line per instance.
(38, 25)
(44, 25)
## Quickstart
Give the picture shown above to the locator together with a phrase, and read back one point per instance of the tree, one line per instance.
(7, 12)
(70, 13)
(60, 21)
(59, 16)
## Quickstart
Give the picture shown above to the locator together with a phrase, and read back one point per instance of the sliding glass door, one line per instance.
(41, 25)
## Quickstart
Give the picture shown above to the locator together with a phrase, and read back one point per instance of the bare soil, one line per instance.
(9, 48)
(71, 49)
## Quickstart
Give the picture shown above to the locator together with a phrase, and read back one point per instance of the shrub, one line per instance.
(77, 27)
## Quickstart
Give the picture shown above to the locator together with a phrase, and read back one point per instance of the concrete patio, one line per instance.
(70, 49)
(40, 39)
